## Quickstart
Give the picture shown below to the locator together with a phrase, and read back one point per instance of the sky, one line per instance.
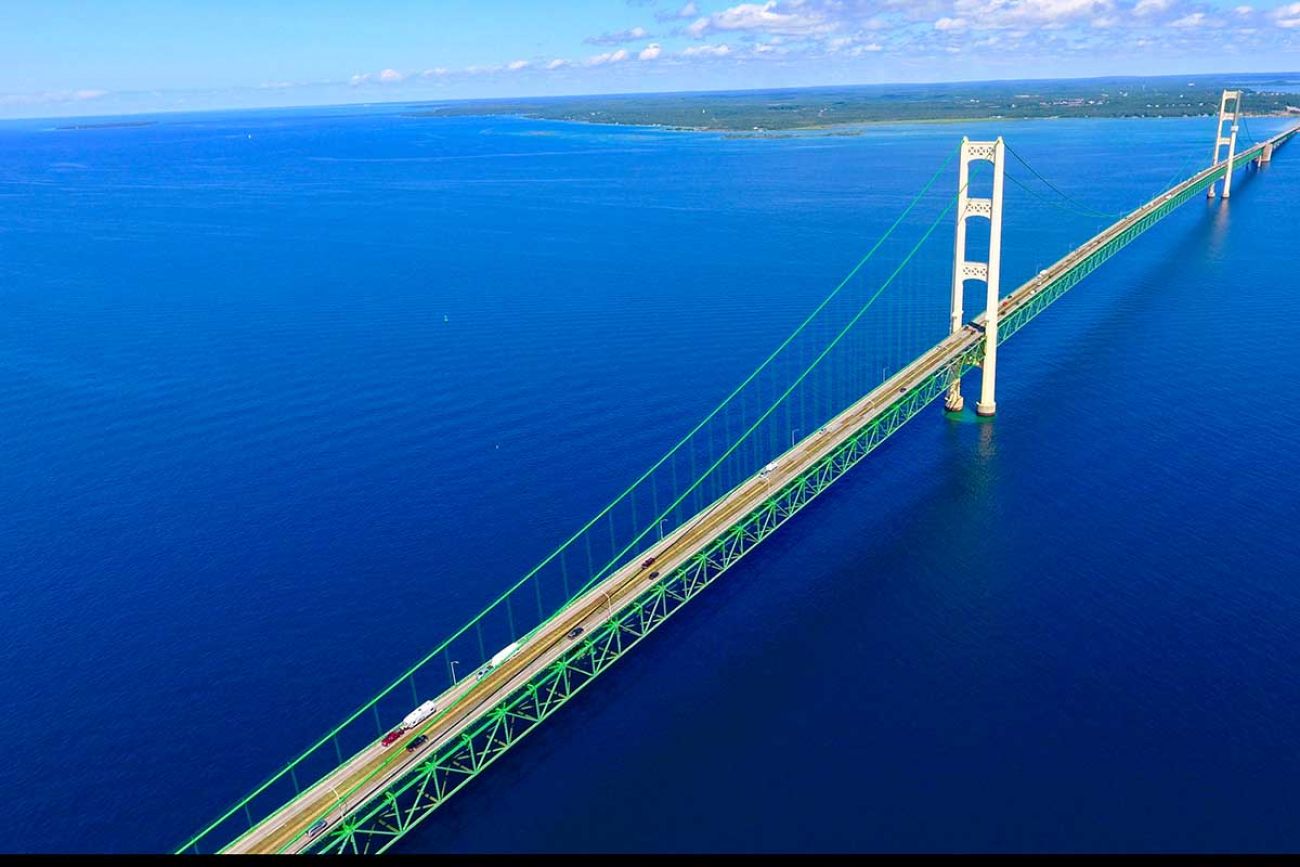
(62, 58)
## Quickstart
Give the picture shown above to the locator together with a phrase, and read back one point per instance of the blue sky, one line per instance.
(87, 57)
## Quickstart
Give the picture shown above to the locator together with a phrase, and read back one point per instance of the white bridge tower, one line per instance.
(989, 272)
(1234, 97)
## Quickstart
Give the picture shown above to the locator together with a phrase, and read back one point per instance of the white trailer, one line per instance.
(419, 715)
(503, 654)
(497, 658)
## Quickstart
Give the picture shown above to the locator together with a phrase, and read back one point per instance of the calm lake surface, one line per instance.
(285, 397)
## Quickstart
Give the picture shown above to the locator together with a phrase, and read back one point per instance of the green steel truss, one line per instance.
(409, 800)
(387, 817)
(1016, 319)
(382, 820)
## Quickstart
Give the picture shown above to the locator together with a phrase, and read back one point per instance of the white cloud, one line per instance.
(988, 14)
(383, 76)
(51, 96)
(608, 57)
(618, 37)
(436, 72)
(690, 10)
(851, 45)
(1287, 16)
(1150, 7)
(1036, 34)
(794, 17)
(707, 51)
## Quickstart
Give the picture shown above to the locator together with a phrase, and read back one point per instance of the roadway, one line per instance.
(370, 771)
(374, 768)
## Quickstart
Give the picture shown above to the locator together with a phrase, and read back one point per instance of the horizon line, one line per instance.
(616, 94)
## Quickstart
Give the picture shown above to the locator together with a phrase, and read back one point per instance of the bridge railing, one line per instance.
(859, 335)
(890, 308)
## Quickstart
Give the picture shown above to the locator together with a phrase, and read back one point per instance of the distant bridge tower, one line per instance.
(989, 272)
(1234, 97)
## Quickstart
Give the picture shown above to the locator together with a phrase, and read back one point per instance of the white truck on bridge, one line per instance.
(497, 658)
(417, 716)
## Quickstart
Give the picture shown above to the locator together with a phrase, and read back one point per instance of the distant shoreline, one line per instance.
(107, 124)
(767, 113)
(844, 129)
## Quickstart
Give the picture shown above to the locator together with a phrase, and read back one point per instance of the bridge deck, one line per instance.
(358, 780)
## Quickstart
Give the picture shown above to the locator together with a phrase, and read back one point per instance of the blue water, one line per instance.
(286, 396)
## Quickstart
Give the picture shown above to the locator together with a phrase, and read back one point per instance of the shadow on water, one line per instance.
(1182, 249)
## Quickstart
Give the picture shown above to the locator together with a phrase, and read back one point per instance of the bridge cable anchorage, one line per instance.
(631, 546)
(290, 768)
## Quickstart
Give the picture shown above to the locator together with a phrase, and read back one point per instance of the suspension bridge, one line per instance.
(727, 485)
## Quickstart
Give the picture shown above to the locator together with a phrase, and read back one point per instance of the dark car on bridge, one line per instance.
(416, 743)
(648, 563)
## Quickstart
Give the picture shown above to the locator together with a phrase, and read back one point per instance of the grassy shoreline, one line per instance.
(784, 111)
(844, 129)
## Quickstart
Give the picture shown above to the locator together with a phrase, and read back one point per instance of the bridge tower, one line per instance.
(989, 272)
(1234, 97)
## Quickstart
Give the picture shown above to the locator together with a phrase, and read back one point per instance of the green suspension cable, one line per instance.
(621, 557)
(504, 597)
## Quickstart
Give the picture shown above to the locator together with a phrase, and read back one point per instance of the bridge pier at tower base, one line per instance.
(954, 402)
(986, 410)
